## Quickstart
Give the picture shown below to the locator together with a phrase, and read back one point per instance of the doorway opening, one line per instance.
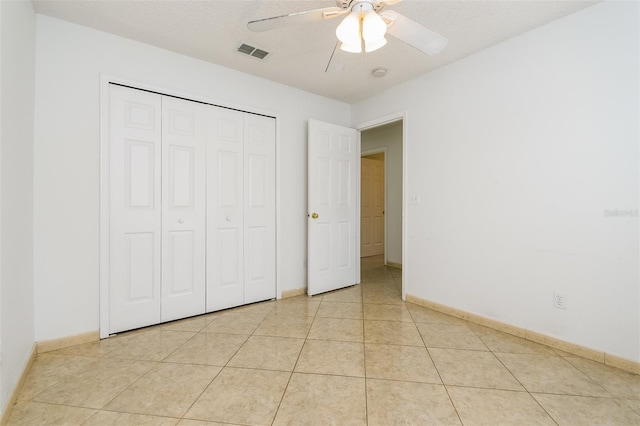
(372, 201)
(334, 200)
(381, 195)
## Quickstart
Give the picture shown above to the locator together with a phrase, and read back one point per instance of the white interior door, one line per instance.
(183, 208)
(372, 208)
(225, 205)
(134, 208)
(259, 208)
(334, 170)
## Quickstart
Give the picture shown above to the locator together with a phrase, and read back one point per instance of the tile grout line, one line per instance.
(513, 375)
(444, 386)
(297, 360)
(364, 355)
(221, 368)
(439, 374)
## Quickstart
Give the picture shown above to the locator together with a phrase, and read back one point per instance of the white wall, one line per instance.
(17, 65)
(390, 137)
(70, 60)
(517, 152)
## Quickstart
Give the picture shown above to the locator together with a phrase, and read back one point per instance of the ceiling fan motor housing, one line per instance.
(377, 5)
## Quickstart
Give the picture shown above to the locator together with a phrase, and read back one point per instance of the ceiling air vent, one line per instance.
(252, 51)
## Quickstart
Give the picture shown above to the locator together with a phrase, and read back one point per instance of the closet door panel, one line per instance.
(225, 204)
(134, 208)
(183, 213)
(259, 211)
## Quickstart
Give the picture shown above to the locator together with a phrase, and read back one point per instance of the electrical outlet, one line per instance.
(560, 300)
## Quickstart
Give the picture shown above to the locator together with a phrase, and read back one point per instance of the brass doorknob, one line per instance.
(314, 215)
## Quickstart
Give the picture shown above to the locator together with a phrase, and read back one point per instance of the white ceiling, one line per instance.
(212, 30)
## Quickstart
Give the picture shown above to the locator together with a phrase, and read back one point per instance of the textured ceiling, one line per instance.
(213, 29)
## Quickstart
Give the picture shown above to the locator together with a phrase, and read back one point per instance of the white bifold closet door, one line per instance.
(241, 234)
(156, 208)
(135, 129)
(183, 208)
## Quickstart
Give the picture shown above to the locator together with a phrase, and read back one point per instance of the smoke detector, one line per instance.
(379, 72)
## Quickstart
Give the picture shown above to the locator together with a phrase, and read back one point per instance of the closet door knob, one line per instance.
(180, 220)
(228, 218)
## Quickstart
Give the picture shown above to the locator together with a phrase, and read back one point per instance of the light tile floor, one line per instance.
(350, 357)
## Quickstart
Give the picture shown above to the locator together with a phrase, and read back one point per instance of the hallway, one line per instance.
(351, 357)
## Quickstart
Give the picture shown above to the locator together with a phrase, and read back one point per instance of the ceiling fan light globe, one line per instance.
(371, 46)
(351, 48)
(348, 32)
(373, 26)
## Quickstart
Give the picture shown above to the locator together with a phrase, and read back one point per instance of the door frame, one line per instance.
(380, 121)
(382, 150)
(105, 80)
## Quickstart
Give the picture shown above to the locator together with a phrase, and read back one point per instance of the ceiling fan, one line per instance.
(364, 26)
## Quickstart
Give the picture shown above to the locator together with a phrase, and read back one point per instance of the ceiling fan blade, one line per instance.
(274, 22)
(390, 2)
(412, 33)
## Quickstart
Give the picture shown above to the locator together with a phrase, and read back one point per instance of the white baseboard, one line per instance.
(293, 293)
(6, 414)
(572, 348)
(394, 265)
(65, 342)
